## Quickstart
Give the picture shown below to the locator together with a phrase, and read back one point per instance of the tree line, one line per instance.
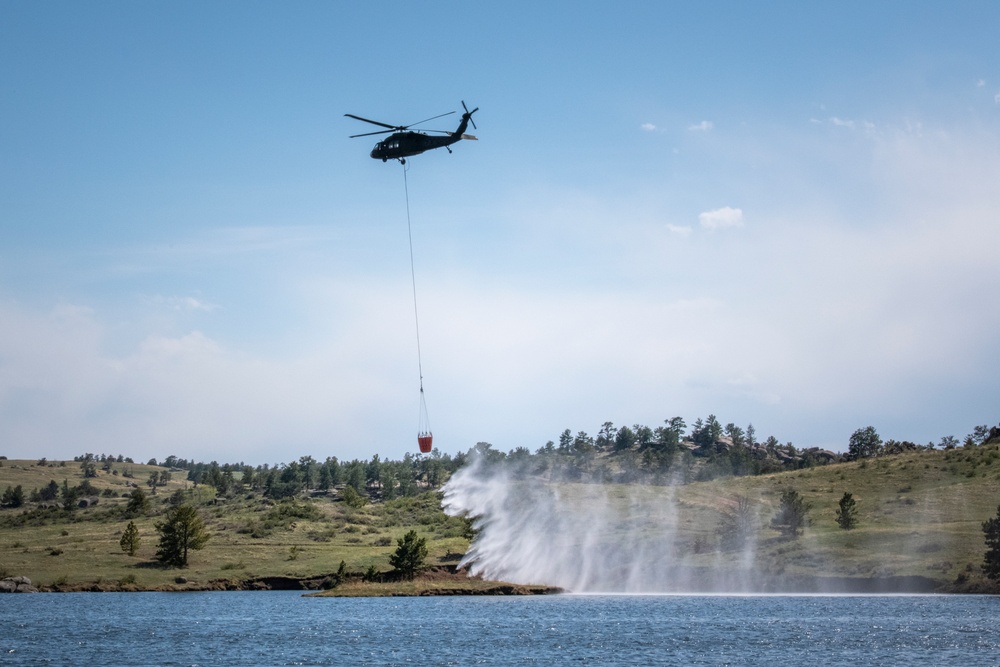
(670, 453)
(375, 478)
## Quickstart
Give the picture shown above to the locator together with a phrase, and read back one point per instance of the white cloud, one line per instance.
(866, 126)
(648, 127)
(679, 230)
(703, 126)
(189, 303)
(721, 218)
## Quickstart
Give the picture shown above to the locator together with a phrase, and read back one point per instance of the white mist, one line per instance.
(585, 538)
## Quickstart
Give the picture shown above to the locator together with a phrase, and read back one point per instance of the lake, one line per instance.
(283, 628)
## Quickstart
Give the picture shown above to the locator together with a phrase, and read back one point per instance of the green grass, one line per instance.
(919, 513)
(305, 538)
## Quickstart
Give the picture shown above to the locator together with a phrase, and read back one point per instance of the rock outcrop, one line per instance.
(17, 585)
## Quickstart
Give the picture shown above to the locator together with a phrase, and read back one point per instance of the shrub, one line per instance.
(353, 498)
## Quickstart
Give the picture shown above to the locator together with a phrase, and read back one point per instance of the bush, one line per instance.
(353, 498)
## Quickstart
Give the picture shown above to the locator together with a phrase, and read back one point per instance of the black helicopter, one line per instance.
(403, 142)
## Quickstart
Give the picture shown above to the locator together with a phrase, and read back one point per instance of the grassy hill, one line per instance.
(251, 537)
(920, 514)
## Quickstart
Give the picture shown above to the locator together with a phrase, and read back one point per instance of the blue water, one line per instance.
(283, 628)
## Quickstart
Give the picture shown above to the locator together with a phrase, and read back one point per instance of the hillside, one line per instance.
(920, 515)
(252, 538)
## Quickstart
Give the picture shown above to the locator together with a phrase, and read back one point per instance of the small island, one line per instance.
(433, 581)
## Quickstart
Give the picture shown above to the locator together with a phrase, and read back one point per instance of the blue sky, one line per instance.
(782, 216)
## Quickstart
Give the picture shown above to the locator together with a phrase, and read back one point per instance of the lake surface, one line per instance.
(283, 628)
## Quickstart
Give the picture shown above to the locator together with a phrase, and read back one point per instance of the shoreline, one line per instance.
(447, 582)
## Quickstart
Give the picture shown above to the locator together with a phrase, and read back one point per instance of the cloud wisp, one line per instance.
(721, 218)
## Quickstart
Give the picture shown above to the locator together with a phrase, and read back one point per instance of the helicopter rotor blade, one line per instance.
(470, 114)
(368, 134)
(426, 120)
(375, 122)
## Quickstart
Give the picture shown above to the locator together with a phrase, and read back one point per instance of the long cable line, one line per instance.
(424, 428)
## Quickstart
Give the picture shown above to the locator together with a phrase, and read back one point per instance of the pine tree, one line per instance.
(738, 524)
(791, 516)
(130, 539)
(13, 497)
(138, 503)
(410, 554)
(182, 530)
(991, 561)
(847, 512)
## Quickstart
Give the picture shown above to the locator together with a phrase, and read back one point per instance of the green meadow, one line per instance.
(919, 514)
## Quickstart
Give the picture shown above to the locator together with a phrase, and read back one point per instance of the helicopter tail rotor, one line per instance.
(469, 114)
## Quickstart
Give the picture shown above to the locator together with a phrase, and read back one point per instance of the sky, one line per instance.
(785, 216)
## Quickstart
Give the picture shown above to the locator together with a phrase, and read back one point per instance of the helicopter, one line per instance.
(404, 142)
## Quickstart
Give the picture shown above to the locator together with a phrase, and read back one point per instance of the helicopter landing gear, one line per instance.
(448, 149)
(402, 161)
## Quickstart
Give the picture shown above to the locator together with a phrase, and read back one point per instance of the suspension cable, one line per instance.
(413, 278)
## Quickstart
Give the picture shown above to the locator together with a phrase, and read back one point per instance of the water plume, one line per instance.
(587, 537)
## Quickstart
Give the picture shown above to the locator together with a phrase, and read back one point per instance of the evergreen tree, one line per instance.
(991, 562)
(791, 516)
(624, 438)
(643, 435)
(69, 495)
(565, 441)
(13, 496)
(864, 443)
(130, 539)
(606, 436)
(50, 491)
(356, 475)
(138, 503)
(713, 428)
(736, 434)
(847, 512)
(738, 524)
(182, 531)
(410, 554)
